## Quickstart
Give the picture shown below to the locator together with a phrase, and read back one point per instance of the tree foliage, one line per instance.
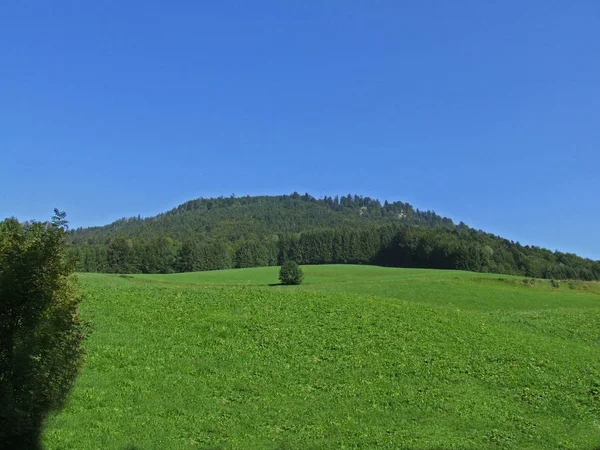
(210, 234)
(40, 329)
(290, 273)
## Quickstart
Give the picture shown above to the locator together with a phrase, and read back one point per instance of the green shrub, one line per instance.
(40, 329)
(291, 273)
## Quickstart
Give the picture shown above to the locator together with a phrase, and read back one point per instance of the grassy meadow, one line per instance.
(356, 357)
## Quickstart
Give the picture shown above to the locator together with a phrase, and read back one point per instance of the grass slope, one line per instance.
(357, 357)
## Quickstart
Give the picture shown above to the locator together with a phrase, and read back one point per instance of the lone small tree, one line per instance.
(291, 273)
(40, 329)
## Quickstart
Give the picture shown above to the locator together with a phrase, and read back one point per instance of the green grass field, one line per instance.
(357, 357)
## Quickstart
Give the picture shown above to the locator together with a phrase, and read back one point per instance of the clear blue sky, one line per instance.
(486, 112)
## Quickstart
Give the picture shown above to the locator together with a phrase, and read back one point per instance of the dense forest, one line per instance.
(221, 233)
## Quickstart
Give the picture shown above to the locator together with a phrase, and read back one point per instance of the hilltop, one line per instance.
(233, 218)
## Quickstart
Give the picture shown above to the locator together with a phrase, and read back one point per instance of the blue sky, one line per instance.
(486, 112)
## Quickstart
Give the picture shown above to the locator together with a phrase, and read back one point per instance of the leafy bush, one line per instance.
(40, 330)
(291, 273)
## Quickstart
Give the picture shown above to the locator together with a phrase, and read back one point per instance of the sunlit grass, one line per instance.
(357, 357)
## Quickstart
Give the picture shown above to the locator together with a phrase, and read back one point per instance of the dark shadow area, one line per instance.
(275, 284)
(25, 441)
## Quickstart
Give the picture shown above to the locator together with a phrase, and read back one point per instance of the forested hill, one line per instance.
(221, 233)
(233, 218)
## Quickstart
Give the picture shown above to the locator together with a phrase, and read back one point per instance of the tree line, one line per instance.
(395, 245)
